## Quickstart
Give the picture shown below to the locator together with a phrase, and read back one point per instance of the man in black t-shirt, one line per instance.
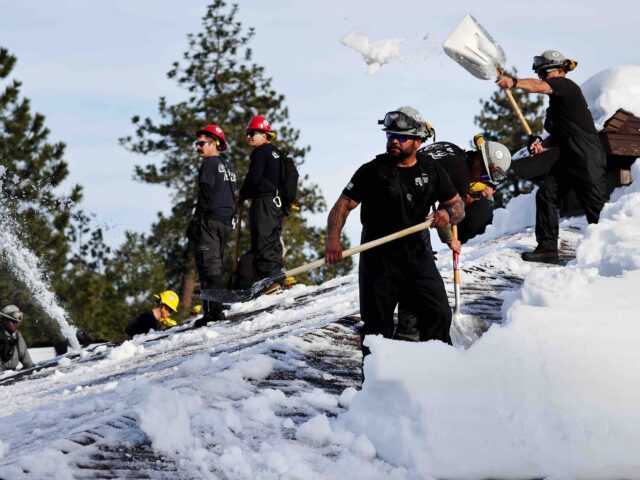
(213, 219)
(266, 212)
(396, 191)
(582, 161)
(475, 175)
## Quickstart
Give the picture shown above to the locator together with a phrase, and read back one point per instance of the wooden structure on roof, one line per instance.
(620, 138)
(620, 135)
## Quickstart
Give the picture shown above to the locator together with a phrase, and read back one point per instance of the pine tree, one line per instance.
(499, 122)
(32, 170)
(224, 87)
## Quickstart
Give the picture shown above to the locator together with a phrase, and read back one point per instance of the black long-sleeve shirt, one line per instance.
(264, 172)
(216, 188)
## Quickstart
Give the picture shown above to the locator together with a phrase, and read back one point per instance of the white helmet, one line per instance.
(407, 121)
(12, 312)
(497, 160)
(552, 60)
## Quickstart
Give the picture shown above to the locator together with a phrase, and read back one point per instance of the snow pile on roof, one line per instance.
(552, 393)
(375, 54)
(611, 89)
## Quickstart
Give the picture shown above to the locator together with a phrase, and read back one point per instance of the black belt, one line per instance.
(226, 221)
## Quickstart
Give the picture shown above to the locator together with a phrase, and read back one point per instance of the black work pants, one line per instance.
(581, 167)
(397, 272)
(477, 215)
(209, 252)
(265, 225)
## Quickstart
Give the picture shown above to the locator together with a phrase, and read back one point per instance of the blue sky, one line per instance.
(89, 66)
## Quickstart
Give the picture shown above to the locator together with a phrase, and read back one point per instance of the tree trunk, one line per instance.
(188, 286)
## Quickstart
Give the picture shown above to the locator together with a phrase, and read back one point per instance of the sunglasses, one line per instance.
(400, 137)
(251, 134)
(201, 143)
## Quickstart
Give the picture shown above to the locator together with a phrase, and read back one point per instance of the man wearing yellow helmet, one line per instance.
(158, 317)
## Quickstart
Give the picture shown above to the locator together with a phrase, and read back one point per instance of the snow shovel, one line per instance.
(471, 46)
(232, 296)
(456, 275)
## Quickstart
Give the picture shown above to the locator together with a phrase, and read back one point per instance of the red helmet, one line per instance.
(259, 122)
(216, 132)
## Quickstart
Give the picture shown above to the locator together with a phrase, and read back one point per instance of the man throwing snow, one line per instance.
(582, 160)
(397, 191)
(13, 348)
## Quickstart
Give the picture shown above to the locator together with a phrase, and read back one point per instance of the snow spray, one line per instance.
(26, 266)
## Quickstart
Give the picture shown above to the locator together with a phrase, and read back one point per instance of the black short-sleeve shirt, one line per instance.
(394, 198)
(567, 105)
(453, 160)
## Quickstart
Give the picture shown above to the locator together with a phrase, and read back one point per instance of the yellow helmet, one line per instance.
(196, 310)
(168, 298)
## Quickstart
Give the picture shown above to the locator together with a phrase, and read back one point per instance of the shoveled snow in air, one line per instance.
(25, 265)
(375, 54)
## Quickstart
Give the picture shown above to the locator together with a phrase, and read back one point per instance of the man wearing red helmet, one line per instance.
(213, 218)
(266, 213)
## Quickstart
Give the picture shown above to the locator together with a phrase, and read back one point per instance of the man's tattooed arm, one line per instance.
(335, 223)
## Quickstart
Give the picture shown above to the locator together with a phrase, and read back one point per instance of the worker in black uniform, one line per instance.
(475, 175)
(158, 318)
(266, 212)
(397, 191)
(213, 220)
(582, 161)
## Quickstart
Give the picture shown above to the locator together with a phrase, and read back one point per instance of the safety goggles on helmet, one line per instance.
(496, 177)
(399, 121)
(540, 62)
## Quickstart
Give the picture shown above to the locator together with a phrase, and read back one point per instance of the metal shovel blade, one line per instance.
(233, 296)
(471, 46)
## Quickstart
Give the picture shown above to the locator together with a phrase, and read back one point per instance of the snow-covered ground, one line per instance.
(550, 390)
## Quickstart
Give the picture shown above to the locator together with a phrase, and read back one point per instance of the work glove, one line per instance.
(533, 139)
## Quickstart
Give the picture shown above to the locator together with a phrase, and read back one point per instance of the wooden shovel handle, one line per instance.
(361, 248)
(515, 106)
(516, 109)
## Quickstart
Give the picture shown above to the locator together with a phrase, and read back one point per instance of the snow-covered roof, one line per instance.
(611, 89)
